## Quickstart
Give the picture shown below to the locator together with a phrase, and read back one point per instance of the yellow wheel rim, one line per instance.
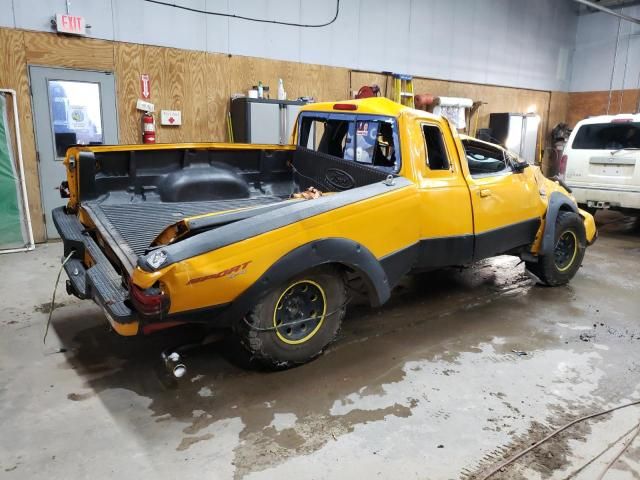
(299, 312)
(566, 250)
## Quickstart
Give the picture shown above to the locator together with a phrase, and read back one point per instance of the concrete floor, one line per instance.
(427, 387)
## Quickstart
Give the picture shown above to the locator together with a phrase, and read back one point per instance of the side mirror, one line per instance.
(518, 167)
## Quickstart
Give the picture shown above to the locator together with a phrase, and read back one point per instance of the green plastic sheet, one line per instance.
(12, 229)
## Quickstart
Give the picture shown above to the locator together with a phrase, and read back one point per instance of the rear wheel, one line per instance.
(569, 247)
(295, 322)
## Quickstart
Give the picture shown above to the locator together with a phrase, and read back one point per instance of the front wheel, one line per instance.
(295, 322)
(569, 248)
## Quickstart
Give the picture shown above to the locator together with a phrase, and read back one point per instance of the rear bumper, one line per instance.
(99, 282)
(102, 283)
(615, 198)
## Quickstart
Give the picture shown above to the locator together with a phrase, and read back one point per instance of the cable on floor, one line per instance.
(551, 435)
(53, 297)
(605, 450)
(620, 453)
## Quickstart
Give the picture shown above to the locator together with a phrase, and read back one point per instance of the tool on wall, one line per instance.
(148, 128)
(368, 91)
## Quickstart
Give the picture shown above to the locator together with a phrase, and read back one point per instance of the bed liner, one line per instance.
(135, 225)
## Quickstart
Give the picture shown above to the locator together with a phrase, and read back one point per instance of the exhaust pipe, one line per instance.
(173, 365)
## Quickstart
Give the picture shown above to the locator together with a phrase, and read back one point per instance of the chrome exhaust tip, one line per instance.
(179, 370)
(173, 365)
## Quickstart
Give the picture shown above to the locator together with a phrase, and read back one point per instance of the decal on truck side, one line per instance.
(229, 272)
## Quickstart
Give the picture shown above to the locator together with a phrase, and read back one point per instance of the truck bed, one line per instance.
(138, 224)
(132, 195)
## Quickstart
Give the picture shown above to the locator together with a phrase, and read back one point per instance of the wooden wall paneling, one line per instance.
(327, 83)
(194, 115)
(65, 51)
(588, 104)
(218, 90)
(630, 101)
(13, 75)
(128, 67)
(174, 89)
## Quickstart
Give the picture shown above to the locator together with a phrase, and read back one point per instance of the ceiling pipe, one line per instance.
(609, 11)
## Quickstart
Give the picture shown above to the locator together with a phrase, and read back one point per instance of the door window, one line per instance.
(436, 151)
(484, 159)
(76, 117)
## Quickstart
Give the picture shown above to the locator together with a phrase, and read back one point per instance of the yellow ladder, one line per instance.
(403, 89)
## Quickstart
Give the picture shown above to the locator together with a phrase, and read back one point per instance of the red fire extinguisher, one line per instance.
(148, 128)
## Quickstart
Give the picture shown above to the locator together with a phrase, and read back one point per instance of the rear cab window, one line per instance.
(607, 136)
(365, 139)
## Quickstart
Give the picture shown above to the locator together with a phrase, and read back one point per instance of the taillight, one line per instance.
(150, 302)
(562, 168)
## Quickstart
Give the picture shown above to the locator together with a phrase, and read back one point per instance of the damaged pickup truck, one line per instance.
(233, 236)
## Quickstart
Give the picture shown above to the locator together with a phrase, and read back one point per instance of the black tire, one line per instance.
(303, 296)
(570, 244)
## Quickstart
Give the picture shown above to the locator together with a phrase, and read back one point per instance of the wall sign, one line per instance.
(170, 117)
(70, 24)
(145, 106)
(145, 86)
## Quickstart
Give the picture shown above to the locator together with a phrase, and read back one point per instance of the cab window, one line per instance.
(369, 140)
(330, 136)
(436, 151)
(485, 160)
(374, 144)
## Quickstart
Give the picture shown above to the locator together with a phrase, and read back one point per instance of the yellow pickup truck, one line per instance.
(267, 240)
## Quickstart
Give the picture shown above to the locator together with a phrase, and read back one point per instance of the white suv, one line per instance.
(601, 162)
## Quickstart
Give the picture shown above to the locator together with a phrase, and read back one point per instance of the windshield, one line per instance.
(607, 136)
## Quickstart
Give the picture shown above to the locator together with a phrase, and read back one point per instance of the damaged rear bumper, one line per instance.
(100, 281)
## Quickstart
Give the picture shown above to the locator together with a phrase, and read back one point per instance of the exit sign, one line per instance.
(71, 24)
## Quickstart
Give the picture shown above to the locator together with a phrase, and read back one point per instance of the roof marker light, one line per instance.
(622, 120)
(344, 106)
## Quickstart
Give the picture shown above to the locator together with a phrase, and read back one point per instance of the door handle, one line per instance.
(485, 192)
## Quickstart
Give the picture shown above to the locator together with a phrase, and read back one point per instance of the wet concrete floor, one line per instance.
(460, 370)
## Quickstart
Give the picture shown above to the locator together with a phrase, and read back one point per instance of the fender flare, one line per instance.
(557, 201)
(319, 252)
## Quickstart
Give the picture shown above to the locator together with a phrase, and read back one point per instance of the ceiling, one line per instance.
(612, 4)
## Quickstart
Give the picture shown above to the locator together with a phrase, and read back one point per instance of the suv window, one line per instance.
(607, 136)
(363, 139)
(485, 159)
(436, 151)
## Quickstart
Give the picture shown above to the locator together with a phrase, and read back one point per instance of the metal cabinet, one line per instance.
(517, 132)
(256, 120)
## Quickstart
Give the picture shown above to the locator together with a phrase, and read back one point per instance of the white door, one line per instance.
(70, 107)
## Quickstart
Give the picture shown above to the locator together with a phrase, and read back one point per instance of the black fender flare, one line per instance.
(557, 201)
(313, 254)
